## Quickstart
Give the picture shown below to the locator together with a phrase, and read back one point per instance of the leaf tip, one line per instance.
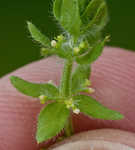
(121, 116)
(28, 23)
(12, 78)
(118, 116)
(38, 139)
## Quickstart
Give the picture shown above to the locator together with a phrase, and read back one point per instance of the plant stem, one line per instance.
(69, 127)
(65, 91)
(65, 85)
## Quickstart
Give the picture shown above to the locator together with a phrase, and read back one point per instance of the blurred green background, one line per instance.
(17, 48)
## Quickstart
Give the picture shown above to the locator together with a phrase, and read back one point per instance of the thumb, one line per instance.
(112, 77)
(105, 139)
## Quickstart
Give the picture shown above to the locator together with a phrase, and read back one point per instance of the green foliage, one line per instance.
(34, 89)
(92, 54)
(51, 121)
(37, 35)
(82, 22)
(81, 74)
(91, 107)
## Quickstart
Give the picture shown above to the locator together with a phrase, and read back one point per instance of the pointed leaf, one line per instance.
(51, 121)
(79, 77)
(91, 107)
(92, 54)
(34, 89)
(37, 35)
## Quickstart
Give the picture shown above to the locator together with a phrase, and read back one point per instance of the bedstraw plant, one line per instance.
(80, 44)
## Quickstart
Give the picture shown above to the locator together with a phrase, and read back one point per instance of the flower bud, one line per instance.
(69, 103)
(76, 111)
(87, 82)
(76, 50)
(60, 38)
(44, 51)
(53, 43)
(83, 45)
(50, 82)
(107, 38)
(91, 90)
(43, 99)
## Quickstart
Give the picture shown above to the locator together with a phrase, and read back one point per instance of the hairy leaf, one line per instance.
(51, 121)
(34, 89)
(79, 77)
(92, 54)
(37, 35)
(91, 107)
(67, 13)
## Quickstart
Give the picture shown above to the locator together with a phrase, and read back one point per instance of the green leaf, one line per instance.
(92, 54)
(34, 89)
(37, 35)
(91, 107)
(79, 77)
(67, 13)
(98, 22)
(51, 121)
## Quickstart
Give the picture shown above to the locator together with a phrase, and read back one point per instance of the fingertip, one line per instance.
(18, 113)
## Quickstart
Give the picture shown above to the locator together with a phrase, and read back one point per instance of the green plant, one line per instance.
(82, 22)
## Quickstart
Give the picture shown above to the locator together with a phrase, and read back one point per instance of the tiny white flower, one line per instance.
(76, 111)
(53, 43)
(50, 82)
(91, 90)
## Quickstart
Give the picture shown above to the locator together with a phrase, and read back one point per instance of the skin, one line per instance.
(114, 81)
